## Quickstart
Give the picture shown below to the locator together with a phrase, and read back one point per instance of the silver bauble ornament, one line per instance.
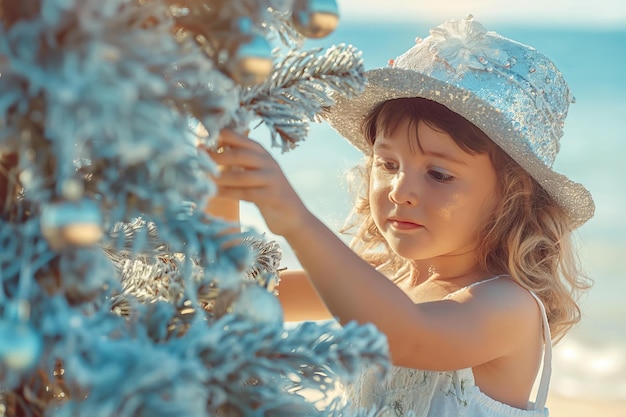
(251, 61)
(315, 18)
(72, 223)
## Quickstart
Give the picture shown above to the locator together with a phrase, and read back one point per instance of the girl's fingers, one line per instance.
(243, 194)
(228, 138)
(238, 157)
(237, 151)
(246, 170)
(242, 179)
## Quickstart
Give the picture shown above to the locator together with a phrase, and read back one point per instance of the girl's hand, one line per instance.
(250, 173)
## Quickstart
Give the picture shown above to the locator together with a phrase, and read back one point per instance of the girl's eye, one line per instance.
(386, 165)
(440, 176)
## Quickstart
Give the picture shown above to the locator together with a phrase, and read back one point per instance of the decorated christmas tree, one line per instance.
(119, 295)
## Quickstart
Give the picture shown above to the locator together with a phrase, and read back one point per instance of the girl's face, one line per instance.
(429, 198)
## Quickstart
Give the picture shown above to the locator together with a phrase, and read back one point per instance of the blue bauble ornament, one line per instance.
(252, 61)
(20, 346)
(315, 18)
(72, 223)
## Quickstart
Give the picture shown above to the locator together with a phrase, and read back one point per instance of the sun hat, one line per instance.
(510, 91)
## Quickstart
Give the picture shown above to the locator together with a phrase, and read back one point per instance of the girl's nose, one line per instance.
(403, 191)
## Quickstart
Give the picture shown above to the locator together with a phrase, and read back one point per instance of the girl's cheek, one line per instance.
(377, 184)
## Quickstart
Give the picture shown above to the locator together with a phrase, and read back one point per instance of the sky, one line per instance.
(610, 14)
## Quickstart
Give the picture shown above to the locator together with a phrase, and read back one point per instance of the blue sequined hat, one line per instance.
(509, 90)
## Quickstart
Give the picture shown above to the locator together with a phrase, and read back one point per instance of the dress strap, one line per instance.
(546, 370)
(473, 285)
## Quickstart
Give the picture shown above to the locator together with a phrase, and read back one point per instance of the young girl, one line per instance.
(462, 253)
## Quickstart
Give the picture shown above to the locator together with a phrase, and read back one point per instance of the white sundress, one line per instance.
(417, 393)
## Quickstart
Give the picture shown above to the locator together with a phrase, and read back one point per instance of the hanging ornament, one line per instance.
(21, 345)
(251, 60)
(72, 223)
(315, 18)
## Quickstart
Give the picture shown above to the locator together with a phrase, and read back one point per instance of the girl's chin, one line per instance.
(410, 253)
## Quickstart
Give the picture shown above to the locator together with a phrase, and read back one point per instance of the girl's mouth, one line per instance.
(404, 224)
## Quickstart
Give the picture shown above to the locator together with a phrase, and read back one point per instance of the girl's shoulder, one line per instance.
(501, 295)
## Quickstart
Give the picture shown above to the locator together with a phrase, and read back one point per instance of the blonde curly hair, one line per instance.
(528, 236)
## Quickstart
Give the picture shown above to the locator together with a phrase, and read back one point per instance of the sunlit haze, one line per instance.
(610, 14)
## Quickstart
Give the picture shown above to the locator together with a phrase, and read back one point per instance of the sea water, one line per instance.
(591, 361)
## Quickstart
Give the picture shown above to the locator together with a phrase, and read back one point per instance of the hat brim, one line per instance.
(347, 114)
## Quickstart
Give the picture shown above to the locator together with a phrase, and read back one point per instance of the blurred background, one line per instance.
(587, 41)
